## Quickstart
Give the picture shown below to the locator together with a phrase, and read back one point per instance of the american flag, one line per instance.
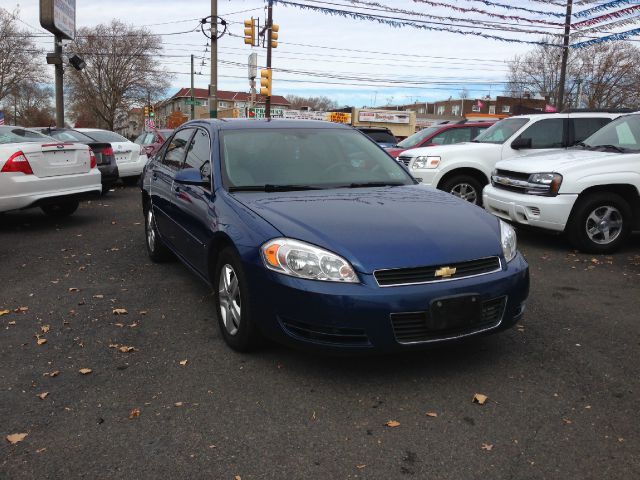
(1, 118)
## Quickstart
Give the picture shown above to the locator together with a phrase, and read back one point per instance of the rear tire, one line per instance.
(231, 298)
(600, 223)
(62, 209)
(465, 187)
(157, 250)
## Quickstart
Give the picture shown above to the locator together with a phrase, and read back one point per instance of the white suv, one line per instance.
(590, 192)
(465, 168)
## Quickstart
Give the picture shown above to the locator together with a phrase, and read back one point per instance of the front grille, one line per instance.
(514, 175)
(404, 276)
(516, 182)
(412, 326)
(405, 160)
(326, 335)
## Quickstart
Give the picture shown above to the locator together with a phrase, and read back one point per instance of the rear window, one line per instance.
(583, 128)
(70, 136)
(380, 136)
(106, 136)
(22, 135)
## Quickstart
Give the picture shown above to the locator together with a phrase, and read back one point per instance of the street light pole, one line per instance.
(213, 86)
(565, 56)
(267, 103)
(57, 48)
(193, 99)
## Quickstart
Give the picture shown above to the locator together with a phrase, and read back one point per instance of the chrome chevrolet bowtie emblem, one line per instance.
(445, 272)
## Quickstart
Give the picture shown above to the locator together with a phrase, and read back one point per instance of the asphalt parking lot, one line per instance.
(562, 387)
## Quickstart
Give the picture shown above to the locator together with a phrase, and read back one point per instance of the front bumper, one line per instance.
(550, 213)
(365, 317)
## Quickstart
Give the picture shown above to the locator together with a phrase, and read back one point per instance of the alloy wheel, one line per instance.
(466, 192)
(604, 225)
(229, 299)
(151, 234)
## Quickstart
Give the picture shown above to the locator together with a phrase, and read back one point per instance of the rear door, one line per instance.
(162, 181)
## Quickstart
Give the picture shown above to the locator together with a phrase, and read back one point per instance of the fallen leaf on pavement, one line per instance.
(16, 437)
(55, 373)
(45, 328)
(98, 296)
(43, 395)
(4, 312)
(178, 404)
(142, 312)
(120, 325)
(12, 322)
(480, 399)
(85, 371)
(432, 414)
(361, 466)
(567, 421)
(120, 311)
(392, 423)
(21, 309)
(487, 446)
(40, 450)
(184, 362)
(42, 341)
(135, 413)
(74, 289)
(127, 349)
(237, 477)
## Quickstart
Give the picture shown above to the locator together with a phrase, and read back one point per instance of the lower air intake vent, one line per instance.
(323, 334)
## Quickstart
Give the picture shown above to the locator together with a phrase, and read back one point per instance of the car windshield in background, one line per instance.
(107, 137)
(418, 137)
(623, 135)
(21, 135)
(70, 136)
(501, 131)
(381, 137)
(256, 159)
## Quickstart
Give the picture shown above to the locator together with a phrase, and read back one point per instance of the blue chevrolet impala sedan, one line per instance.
(311, 235)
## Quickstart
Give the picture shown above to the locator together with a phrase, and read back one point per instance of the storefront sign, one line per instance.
(59, 17)
(383, 117)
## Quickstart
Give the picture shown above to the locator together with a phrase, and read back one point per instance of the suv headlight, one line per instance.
(421, 163)
(302, 260)
(508, 241)
(547, 184)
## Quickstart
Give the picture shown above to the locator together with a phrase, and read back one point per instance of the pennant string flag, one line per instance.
(608, 38)
(609, 16)
(625, 22)
(603, 8)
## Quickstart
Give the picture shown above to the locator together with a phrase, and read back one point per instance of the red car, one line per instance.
(152, 141)
(442, 134)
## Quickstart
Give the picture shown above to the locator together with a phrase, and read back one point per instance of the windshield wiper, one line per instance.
(582, 144)
(271, 188)
(610, 147)
(376, 184)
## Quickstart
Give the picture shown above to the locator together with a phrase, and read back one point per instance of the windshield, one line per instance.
(70, 136)
(501, 131)
(22, 135)
(417, 138)
(622, 134)
(105, 136)
(311, 157)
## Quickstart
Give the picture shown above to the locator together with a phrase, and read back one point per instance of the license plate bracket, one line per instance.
(452, 313)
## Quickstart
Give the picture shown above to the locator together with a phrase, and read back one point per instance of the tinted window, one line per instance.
(106, 136)
(623, 133)
(418, 137)
(199, 154)
(547, 133)
(454, 135)
(70, 136)
(380, 136)
(501, 132)
(19, 135)
(583, 128)
(177, 148)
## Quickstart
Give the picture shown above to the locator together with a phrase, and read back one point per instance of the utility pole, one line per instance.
(193, 100)
(57, 49)
(267, 105)
(579, 97)
(565, 56)
(213, 86)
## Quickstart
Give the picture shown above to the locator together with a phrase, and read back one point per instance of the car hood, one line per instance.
(385, 227)
(554, 162)
(455, 149)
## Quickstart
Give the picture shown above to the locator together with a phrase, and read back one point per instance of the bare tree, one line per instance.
(30, 105)
(18, 56)
(464, 93)
(122, 70)
(608, 73)
(314, 103)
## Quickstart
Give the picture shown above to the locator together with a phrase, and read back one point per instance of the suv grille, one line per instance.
(512, 181)
(412, 327)
(405, 276)
(404, 160)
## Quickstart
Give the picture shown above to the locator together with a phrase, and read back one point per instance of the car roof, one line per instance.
(446, 126)
(248, 123)
(539, 116)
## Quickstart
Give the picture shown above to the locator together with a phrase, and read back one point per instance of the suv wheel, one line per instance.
(63, 209)
(600, 223)
(464, 187)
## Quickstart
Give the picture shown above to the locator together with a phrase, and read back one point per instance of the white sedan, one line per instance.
(39, 171)
(129, 156)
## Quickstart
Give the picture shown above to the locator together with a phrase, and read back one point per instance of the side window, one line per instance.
(177, 148)
(140, 139)
(199, 154)
(585, 127)
(451, 136)
(546, 133)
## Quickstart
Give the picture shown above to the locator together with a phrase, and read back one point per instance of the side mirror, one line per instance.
(192, 176)
(520, 142)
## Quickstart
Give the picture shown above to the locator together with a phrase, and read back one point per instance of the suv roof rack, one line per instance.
(597, 110)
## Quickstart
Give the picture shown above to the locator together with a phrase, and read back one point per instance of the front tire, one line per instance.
(232, 303)
(465, 187)
(600, 223)
(63, 209)
(156, 249)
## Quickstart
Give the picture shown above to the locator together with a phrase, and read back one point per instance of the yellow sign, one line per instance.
(340, 117)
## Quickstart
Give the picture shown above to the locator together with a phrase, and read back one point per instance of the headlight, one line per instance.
(300, 259)
(547, 184)
(420, 163)
(508, 241)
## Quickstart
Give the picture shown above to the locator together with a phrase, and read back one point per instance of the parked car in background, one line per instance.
(129, 156)
(102, 150)
(382, 136)
(271, 214)
(464, 169)
(39, 171)
(590, 192)
(153, 140)
(443, 134)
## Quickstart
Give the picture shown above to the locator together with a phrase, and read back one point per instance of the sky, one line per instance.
(377, 64)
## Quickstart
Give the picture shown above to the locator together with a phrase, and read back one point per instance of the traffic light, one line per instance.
(250, 32)
(265, 82)
(146, 111)
(274, 35)
(152, 111)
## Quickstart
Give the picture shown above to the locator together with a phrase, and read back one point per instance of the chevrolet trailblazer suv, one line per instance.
(465, 168)
(590, 192)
